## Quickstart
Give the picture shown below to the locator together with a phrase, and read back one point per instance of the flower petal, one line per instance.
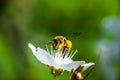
(87, 65)
(73, 65)
(42, 55)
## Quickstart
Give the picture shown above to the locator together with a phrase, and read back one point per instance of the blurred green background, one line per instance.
(38, 21)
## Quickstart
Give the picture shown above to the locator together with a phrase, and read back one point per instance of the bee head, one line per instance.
(58, 42)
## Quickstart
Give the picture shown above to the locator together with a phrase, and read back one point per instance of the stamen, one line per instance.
(74, 53)
(70, 54)
(51, 51)
(56, 55)
(47, 49)
(54, 52)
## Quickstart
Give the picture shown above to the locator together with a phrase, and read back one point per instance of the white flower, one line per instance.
(55, 59)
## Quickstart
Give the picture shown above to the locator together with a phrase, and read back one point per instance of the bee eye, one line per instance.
(55, 41)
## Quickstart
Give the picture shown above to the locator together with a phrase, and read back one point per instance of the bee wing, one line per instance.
(73, 34)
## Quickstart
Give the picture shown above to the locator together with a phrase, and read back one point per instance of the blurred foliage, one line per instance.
(38, 21)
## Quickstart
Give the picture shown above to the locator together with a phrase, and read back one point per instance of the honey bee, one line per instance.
(62, 44)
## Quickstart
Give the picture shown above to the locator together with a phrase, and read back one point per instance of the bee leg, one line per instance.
(64, 56)
(65, 52)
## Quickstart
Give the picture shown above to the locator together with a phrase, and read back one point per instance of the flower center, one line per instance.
(60, 56)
